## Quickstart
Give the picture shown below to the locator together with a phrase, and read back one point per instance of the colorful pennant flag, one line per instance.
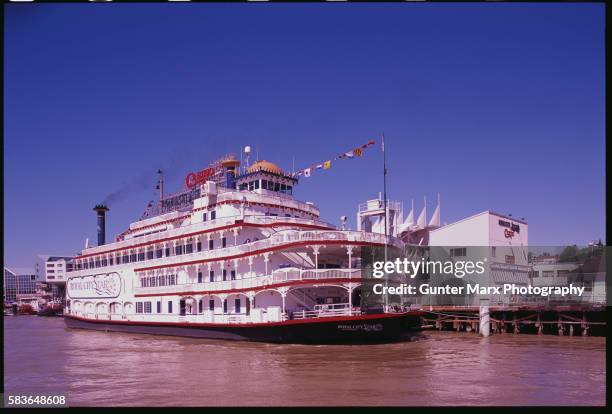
(357, 152)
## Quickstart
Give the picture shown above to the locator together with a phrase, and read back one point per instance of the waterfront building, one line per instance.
(52, 269)
(18, 281)
(546, 270)
(500, 240)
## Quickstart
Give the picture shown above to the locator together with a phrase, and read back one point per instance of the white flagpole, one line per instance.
(385, 207)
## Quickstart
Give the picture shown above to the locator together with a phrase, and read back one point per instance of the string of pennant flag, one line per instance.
(325, 165)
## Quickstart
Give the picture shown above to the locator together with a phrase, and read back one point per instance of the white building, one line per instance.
(549, 273)
(500, 240)
(52, 269)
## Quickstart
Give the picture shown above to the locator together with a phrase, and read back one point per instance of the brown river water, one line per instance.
(92, 368)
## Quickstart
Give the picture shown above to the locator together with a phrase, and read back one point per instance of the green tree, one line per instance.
(569, 254)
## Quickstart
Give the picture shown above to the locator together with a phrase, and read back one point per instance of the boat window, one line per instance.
(211, 276)
(199, 246)
(211, 305)
(225, 306)
(277, 187)
(189, 248)
(211, 244)
(223, 242)
(237, 305)
(233, 275)
(257, 184)
(169, 306)
(199, 277)
(213, 214)
(204, 216)
(147, 307)
(158, 306)
(224, 274)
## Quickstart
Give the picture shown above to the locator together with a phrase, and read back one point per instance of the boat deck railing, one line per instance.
(322, 311)
(258, 316)
(254, 282)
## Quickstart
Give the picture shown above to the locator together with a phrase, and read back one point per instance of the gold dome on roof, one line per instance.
(264, 165)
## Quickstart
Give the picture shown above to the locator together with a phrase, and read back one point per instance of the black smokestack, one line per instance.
(101, 209)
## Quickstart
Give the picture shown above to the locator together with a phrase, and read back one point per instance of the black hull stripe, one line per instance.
(376, 328)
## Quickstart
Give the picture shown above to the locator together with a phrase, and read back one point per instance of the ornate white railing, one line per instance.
(277, 276)
(322, 311)
(256, 315)
(284, 200)
(197, 227)
(278, 239)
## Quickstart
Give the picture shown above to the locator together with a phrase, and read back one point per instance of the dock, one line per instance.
(569, 320)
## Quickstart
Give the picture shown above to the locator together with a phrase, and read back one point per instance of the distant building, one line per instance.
(52, 269)
(18, 282)
(546, 270)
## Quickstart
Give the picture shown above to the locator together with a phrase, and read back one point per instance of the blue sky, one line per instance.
(495, 106)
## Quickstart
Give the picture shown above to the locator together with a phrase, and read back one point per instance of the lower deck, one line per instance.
(363, 328)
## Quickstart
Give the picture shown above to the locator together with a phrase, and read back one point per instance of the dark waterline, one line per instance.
(93, 368)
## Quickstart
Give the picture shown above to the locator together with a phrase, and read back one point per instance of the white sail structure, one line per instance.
(435, 219)
(422, 220)
(409, 222)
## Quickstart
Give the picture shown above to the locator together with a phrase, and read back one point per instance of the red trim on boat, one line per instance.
(255, 324)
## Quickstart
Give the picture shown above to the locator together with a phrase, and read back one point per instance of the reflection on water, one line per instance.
(444, 368)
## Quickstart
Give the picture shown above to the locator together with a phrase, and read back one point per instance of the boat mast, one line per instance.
(384, 184)
(385, 207)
